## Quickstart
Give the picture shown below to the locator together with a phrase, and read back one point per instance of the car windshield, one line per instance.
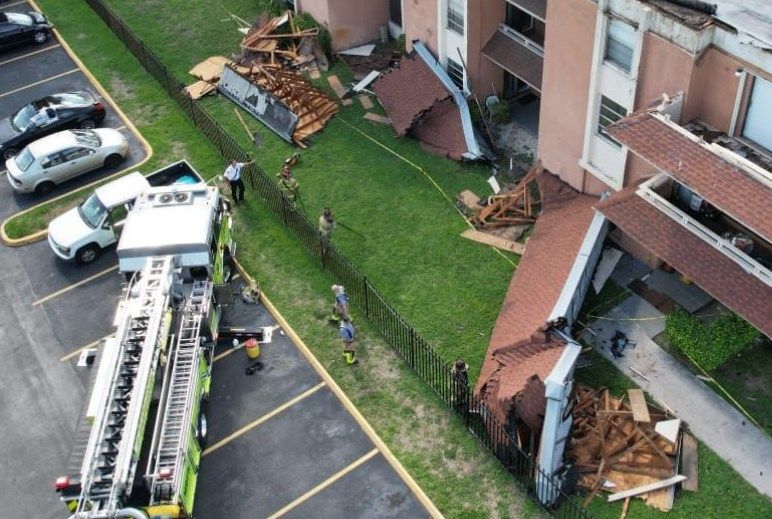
(23, 118)
(87, 138)
(24, 159)
(92, 211)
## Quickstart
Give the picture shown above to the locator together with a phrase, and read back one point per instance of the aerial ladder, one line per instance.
(161, 321)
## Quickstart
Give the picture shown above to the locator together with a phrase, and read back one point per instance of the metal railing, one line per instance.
(452, 390)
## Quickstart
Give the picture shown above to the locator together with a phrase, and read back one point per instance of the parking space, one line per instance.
(33, 71)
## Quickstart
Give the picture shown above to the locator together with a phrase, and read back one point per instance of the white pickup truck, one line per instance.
(81, 233)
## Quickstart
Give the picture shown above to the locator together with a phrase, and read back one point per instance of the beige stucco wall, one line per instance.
(566, 81)
(419, 21)
(713, 90)
(351, 22)
(484, 17)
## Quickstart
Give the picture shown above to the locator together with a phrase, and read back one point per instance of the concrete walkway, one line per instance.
(709, 417)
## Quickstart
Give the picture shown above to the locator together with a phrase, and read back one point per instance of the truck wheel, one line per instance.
(202, 431)
(113, 160)
(87, 254)
(45, 187)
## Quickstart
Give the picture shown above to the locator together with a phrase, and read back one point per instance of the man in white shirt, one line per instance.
(233, 174)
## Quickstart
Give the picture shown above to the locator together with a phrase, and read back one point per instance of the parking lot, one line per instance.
(284, 441)
(33, 71)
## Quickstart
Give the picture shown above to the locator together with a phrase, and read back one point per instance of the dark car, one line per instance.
(20, 28)
(48, 115)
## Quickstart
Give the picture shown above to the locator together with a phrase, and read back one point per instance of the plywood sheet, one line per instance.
(689, 457)
(377, 118)
(638, 405)
(337, 87)
(199, 89)
(210, 69)
(494, 241)
(366, 102)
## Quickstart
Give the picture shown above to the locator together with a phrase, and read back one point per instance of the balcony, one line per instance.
(516, 53)
(725, 234)
(535, 8)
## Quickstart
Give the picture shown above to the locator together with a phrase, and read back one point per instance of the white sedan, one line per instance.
(64, 155)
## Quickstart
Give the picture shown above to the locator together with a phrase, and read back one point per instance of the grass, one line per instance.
(458, 475)
(449, 288)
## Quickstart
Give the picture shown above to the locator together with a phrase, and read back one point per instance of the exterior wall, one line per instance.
(419, 21)
(351, 22)
(713, 90)
(484, 17)
(568, 49)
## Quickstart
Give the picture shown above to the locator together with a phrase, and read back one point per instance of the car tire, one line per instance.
(44, 188)
(9, 153)
(87, 254)
(87, 124)
(113, 160)
(40, 36)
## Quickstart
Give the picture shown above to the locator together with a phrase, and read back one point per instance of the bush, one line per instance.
(500, 112)
(305, 21)
(711, 344)
(400, 44)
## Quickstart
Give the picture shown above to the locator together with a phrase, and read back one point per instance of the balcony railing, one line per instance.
(522, 39)
(750, 265)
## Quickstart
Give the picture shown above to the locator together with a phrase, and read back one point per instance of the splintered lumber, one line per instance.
(514, 207)
(494, 241)
(625, 506)
(338, 88)
(689, 459)
(638, 403)
(377, 118)
(646, 488)
(468, 199)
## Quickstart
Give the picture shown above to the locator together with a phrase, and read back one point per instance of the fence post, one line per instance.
(193, 112)
(367, 299)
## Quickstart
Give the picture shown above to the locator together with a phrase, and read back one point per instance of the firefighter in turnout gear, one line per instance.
(340, 307)
(288, 184)
(347, 336)
(326, 223)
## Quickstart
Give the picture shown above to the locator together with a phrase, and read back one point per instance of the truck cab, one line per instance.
(84, 231)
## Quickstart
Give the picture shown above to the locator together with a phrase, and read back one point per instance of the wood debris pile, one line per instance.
(312, 106)
(265, 43)
(515, 207)
(617, 447)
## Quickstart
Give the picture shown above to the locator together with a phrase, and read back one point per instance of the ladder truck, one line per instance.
(144, 421)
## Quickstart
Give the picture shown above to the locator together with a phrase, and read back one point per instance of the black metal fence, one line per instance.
(452, 390)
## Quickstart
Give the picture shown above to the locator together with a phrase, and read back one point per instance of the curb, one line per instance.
(40, 235)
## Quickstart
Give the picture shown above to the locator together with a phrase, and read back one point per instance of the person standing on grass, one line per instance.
(347, 336)
(288, 184)
(326, 223)
(233, 174)
(340, 307)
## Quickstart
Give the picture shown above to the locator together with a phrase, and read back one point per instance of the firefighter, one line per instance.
(288, 184)
(347, 337)
(340, 306)
(460, 378)
(326, 223)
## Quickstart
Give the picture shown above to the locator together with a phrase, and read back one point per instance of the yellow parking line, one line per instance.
(263, 419)
(56, 45)
(324, 484)
(36, 83)
(87, 346)
(74, 286)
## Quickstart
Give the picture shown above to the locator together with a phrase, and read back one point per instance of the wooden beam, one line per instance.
(638, 405)
(689, 458)
(646, 488)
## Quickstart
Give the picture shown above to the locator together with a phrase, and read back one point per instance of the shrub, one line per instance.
(500, 112)
(400, 44)
(711, 344)
(305, 21)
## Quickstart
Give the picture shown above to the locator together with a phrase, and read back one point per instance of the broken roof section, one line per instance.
(731, 184)
(519, 349)
(713, 271)
(414, 96)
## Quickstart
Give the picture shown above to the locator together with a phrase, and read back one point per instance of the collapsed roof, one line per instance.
(421, 99)
(521, 354)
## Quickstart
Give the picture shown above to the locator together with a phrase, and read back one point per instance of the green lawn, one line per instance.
(458, 475)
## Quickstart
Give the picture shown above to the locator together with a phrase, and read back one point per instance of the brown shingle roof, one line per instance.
(441, 128)
(514, 57)
(408, 91)
(719, 182)
(710, 269)
(516, 352)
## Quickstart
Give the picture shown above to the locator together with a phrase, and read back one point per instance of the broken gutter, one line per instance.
(473, 148)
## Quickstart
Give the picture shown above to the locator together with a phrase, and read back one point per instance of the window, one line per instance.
(620, 42)
(518, 19)
(456, 16)
(456, 73)
(756, 126)
(609, 112)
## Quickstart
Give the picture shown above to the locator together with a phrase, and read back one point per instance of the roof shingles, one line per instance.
(719, 182)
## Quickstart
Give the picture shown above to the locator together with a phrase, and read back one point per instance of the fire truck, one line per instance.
(144, 427)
